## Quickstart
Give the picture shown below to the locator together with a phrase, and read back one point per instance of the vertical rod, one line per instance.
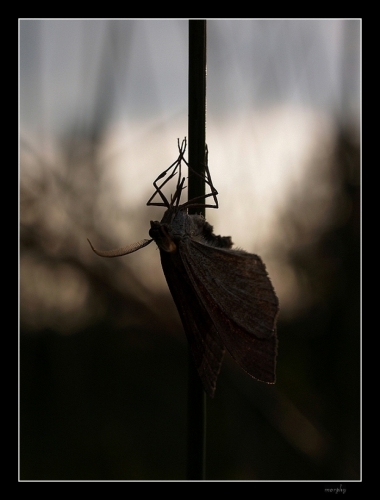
(196, 438)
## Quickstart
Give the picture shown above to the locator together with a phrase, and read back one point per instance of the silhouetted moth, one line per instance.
(224, 296)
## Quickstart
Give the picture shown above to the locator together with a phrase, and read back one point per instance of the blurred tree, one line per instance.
(103, 394)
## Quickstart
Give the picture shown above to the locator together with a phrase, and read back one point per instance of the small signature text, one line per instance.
(336, 489)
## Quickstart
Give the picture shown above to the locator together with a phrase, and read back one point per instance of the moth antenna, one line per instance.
(118, 252)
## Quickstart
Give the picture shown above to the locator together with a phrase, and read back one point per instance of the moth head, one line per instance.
(159, 232)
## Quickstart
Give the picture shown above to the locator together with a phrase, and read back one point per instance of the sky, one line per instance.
(144, 66)
(276, 90)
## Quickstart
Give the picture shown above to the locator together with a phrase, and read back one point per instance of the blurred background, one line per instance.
(103, 356)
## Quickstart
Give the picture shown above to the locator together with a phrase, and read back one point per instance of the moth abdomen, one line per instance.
(219, 241)
(206, 230)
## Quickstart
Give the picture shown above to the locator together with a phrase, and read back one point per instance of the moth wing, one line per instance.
(237, 293)
(238, 282)
(205, 344)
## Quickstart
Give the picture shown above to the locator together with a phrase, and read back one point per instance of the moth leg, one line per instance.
(177, 194)
(207, 178)
(158, 190)
(176, 166)
(208, 181)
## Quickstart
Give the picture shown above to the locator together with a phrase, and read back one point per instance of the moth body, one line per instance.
(223, 295)
(177, 225)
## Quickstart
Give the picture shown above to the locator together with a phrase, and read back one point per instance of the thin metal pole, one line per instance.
(196, 444)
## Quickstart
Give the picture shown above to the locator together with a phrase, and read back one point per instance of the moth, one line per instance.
(224, 296)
